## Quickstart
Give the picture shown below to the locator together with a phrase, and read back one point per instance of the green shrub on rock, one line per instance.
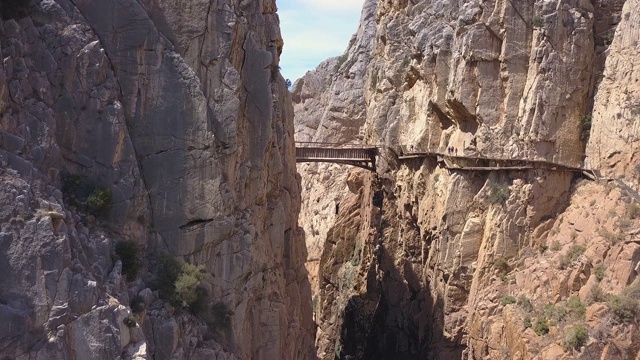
(575, 338)
(498, 193)
(501, 264)
(541, 327)
(623, 307)
(187, 284)
(100, 200)
(168, 272)
(576, 307)
(130, 321)
(180, 283)
(599, 272)
(626, 306)
(585, 127)
(508, 300)
(86, 195)
(525, 303)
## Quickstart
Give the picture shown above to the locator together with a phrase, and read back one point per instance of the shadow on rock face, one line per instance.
(15, 9)
(396, 318)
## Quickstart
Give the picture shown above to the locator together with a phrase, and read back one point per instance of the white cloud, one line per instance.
(314, 30)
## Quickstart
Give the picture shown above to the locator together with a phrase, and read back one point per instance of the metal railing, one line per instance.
(348, 154)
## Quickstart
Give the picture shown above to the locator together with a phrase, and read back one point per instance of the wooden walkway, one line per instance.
(481, 163)
(364, 156)
(361, 156)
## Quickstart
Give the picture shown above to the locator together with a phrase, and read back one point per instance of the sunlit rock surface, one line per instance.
(460, 264)
(614, 135)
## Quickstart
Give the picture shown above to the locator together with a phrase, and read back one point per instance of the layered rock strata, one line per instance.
(181, 113)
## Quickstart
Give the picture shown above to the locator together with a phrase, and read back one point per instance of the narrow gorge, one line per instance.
(153, 206)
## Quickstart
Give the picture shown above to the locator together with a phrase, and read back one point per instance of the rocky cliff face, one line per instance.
(329, 107)
(501, 264)
(180, 113)
(614, 134)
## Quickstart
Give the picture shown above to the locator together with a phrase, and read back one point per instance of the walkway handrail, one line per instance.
(330, 155)
(334, 145)
(410, 152)
(349, 154)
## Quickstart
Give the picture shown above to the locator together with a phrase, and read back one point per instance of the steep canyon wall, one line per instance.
(179, 110)
(458, 264)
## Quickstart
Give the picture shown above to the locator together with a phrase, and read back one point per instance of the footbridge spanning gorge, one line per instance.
(364, 156)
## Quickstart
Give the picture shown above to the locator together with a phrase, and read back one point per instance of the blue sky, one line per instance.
(313, 31)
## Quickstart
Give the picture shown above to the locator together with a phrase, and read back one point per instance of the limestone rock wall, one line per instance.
(484, 74)
(614, 135)
(181, 112)
(329, 107)
(465, 264)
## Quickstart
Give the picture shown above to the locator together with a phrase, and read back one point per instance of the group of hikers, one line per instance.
(451, 150)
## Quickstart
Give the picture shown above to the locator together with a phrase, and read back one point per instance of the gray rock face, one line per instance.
(14, 322)
(95, 335)
(166, 337)
(181, 112)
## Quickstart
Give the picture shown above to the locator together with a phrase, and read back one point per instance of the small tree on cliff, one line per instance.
(180, 283)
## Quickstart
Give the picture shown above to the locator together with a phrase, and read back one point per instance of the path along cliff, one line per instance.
(165, 127)
(523, 264)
